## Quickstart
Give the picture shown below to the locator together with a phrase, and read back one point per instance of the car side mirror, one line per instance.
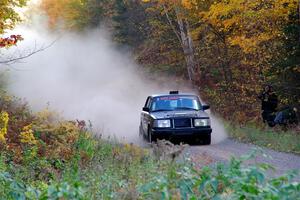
(205, 107)
(146, 109)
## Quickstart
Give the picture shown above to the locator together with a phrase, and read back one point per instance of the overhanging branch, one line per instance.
(12, 60)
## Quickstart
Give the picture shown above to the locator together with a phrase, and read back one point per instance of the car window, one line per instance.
(148, 102)
(166, 103)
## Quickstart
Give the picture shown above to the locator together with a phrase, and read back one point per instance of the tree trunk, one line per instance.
(185, 39)
(299, 18)
(187, 45)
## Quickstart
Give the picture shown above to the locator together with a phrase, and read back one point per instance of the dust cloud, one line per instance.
(85, 76)
(219, 133)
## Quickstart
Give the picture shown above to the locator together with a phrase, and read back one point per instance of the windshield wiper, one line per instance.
(160, 110)
(185, 108)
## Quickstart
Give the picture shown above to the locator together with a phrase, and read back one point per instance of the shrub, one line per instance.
(3, 126)
(224, 181)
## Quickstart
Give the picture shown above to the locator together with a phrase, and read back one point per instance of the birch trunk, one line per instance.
(185, 39)
(188, 47)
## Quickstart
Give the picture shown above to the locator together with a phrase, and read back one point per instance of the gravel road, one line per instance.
(223, 151)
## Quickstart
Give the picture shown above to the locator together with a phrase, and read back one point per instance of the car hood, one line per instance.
(179, 114)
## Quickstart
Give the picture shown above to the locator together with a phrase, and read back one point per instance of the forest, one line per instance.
(229, 49)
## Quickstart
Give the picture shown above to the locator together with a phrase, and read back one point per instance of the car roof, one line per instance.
(180, 94)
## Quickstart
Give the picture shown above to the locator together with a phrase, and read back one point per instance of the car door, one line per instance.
(145, 115)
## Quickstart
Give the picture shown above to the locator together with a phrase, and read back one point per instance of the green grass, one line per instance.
(284, 141)
(107, 170)
(99, 170)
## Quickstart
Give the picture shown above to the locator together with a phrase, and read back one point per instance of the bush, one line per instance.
(107, 177)
(17, 190)
(224, 181)
(285, 141)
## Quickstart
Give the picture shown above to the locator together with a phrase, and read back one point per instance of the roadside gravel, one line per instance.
(223, 151)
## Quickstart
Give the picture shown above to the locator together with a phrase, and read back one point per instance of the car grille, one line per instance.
(182, 123)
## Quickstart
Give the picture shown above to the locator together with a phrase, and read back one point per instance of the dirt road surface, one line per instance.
(223, 151)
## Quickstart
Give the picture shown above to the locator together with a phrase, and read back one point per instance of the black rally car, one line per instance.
(175, 115)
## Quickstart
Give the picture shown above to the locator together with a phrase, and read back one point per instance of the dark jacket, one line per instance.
(269, 101)
(286, 115)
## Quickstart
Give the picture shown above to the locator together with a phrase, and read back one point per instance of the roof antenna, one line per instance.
(174, 92)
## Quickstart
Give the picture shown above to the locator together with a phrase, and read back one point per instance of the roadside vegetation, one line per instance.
(276, 139)
(45, 157)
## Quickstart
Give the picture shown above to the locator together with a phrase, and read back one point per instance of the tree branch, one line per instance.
(172, 25)
(13, 60)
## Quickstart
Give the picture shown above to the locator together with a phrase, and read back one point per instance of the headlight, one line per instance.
(162, 123)
(201, 122)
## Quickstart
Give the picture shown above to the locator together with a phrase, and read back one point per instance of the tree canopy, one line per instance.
(229, 49)
(75, 14)
(8, 19)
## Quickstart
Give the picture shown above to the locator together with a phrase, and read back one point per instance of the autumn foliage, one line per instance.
(74, 14)
(10, 41)
(8, 19)
(44, 132)
(229, 49)
(239, 46)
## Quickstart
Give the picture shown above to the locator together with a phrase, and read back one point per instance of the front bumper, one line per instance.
(182, 132)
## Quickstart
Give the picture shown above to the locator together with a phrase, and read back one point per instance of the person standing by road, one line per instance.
(269, 103)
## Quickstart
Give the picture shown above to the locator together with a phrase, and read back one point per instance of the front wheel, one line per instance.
(207, 140)
(151, 137)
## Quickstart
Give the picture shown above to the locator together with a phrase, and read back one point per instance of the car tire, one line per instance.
(207, 140)
(151, 137)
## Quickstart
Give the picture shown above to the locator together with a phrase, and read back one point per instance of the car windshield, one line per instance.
(169, 103)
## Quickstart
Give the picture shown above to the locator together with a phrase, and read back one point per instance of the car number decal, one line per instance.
(169, 98)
